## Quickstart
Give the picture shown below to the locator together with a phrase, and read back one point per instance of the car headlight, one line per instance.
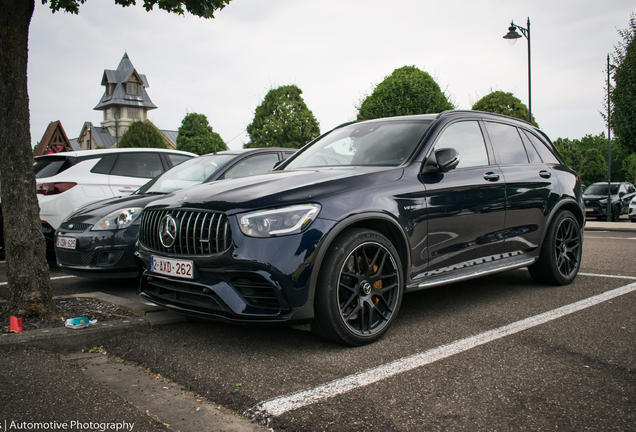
(278, 222)
(118, 219)
(602, 201)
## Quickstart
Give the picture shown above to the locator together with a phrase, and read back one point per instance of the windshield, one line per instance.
(189, 173)
(601, 189)
(387, 143)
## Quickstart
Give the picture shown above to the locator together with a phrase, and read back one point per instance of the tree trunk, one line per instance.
(27, 270)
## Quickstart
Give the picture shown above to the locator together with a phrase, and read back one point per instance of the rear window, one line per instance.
(50, 166)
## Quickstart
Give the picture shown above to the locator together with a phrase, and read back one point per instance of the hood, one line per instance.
(277, 188)
(91, 213)
(598, 197)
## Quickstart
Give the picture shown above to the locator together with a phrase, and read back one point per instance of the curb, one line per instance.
(65, 340)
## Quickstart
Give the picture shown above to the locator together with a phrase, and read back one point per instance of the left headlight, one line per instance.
(118, 219)
(278, 222)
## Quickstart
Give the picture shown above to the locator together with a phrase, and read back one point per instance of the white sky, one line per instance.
(336, 51)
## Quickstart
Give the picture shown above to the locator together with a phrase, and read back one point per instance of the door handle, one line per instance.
(545, 174)
(491, 176)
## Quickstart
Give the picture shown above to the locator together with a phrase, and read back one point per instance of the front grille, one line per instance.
(198, 232)
(69, 226)
(74, 257)
(256, 291)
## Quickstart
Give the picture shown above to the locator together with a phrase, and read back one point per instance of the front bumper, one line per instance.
(255, 280)
(100, 254)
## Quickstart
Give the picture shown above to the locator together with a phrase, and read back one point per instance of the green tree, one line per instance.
(594, 168)
(406, 91)
(196, 136)
(623, 95)
(142, 134)
(500, 102)
(571, 151)
(27, 270)
(629, 168)
(282, 120)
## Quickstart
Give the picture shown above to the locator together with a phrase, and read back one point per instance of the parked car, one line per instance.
(632, 210)
(337, 234)
(67, 181)
(98, 240)
(595, 198)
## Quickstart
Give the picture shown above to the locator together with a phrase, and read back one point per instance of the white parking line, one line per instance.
(608, 276)
(281, 405)
(53, 278)
(611, 238)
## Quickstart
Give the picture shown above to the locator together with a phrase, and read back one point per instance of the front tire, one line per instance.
(360, 288)
(561, 252)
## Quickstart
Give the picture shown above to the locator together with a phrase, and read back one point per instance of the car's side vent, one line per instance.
(256, 291)
(185, 232)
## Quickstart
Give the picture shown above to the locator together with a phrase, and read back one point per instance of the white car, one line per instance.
(632, 210)
(69, 180)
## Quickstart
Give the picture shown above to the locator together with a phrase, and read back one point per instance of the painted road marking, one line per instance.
(608, 276)
(281, 405)
(53, 278)
(610, 238)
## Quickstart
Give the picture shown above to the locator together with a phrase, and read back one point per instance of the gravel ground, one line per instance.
(71, 308)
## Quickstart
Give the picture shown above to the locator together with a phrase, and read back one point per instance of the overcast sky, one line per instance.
(336, 51)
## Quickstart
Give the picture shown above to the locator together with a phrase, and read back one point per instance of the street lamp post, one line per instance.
(512, 37)
(609, 146)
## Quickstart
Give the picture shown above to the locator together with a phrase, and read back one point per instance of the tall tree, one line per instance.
(142, 134)
(500, 102)
(282, 120)
(629, 167)
(623, 95)
(27, 270)
(594, 168)
(406, 91)
(196, 135)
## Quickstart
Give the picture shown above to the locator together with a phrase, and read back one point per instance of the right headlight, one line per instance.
(278, 222)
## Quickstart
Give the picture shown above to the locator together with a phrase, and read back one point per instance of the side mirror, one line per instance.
(621, 194)
(442, 160)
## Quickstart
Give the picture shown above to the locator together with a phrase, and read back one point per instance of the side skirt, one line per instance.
(471, 269)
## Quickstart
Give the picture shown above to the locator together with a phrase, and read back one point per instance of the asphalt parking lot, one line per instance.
(497, 353)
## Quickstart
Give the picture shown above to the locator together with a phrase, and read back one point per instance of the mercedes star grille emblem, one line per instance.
(168, 231)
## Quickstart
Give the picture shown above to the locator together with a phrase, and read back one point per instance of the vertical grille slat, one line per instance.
(195, 229)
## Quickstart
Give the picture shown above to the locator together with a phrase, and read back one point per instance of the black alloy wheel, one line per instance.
(361, 292)
(560, 258)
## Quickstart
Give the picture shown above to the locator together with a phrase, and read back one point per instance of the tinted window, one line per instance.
(533, 156)
(50, 166)
(545, 153)
(507, 144)
(105, 164)
(145, 165)
(255, 165)
(176, 159)
(630, 189)
(601, 189)
(467, 139)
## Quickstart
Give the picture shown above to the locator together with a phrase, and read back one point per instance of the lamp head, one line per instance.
(512, 34)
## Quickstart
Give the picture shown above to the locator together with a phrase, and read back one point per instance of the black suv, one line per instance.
(595, 198)
(366, 212)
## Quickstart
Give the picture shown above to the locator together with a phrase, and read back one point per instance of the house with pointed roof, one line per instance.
(124, 101)
(54, 140)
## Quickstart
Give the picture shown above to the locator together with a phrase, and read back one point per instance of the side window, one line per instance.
(507, 144)
(145, 165)
(255, 165)
(105, 164)
(533, 156)
(631, 189)
(545, 153)
(467, 139)
(176, 159)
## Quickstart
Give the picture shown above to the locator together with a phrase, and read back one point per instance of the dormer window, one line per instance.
(110, 88)
(132, 88)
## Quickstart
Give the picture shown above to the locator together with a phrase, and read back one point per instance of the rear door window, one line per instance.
(176, 159)
(509, 149)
